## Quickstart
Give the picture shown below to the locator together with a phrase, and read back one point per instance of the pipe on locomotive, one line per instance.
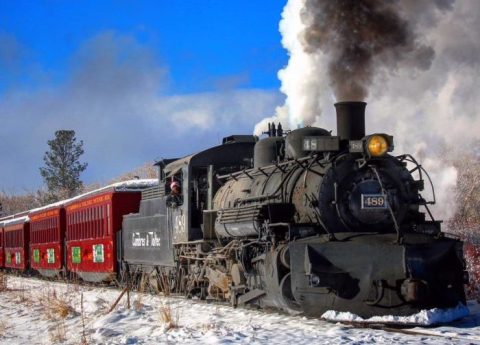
(350, 120)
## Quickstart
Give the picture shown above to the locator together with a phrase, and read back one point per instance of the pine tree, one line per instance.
(62, 169)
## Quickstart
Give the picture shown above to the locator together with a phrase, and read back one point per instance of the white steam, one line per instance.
(303, 79)
(432, 112)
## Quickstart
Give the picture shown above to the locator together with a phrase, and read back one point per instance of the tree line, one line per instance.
(60, 173)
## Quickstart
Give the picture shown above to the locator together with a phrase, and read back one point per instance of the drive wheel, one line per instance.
(287, 293)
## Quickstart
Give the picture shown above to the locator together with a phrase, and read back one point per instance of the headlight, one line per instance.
(372, 146)
(377, 145)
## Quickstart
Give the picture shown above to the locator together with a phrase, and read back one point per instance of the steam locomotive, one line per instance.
(319, 222)
(302, 221)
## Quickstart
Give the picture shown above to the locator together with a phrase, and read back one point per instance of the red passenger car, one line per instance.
(47, 234)
(93, 221)
(15, 234)
(1, 246)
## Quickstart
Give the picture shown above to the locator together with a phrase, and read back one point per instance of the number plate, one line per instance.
(374, 201)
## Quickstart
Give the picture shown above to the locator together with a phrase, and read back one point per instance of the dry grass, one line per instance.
(137, 303)
(23, 295)
(3, 328)
(58, 333)
(209, 326)
(84, 340)
(74, 286)
(169, 317)
(3, 282)
(56, 306)
(142, 287)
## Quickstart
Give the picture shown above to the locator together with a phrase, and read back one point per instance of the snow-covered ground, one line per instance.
(31, 312)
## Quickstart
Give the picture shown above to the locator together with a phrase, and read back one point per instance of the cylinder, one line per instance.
(350, 120)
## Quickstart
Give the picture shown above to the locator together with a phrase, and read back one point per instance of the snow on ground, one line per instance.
(430, 317)
(30, 313)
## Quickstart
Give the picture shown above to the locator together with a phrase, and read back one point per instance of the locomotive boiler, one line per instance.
(303, 221)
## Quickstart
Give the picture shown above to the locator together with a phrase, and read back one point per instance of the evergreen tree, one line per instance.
(62, 169)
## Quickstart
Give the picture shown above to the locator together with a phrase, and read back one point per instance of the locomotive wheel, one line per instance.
(285, 257)
(287, 293)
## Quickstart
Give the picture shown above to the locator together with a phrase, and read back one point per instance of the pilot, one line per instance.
(175, 197)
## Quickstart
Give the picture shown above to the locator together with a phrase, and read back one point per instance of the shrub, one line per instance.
(56, 307)
(169, 317)
(3, 282)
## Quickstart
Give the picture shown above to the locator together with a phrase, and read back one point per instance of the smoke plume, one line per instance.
(360, 37)
(414, 62)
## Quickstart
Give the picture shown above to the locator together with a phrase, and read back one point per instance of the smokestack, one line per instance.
(350, 120)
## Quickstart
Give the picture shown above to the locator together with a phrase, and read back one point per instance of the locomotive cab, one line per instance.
(178, 223)
(197, 176)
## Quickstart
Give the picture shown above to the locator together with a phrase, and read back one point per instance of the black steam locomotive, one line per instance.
(302, 221)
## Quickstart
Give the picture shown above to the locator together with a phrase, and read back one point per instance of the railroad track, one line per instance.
(428, 331)
(400, 328)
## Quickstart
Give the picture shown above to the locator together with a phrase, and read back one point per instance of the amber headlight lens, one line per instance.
(377, 146)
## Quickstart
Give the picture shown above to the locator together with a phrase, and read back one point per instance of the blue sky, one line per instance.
(137, 80)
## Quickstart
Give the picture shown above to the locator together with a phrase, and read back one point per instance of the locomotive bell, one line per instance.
(350, 120)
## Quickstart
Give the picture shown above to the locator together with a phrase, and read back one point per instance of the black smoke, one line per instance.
(361, 38)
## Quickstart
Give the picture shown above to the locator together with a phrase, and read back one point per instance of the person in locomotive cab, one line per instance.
(174, 199)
